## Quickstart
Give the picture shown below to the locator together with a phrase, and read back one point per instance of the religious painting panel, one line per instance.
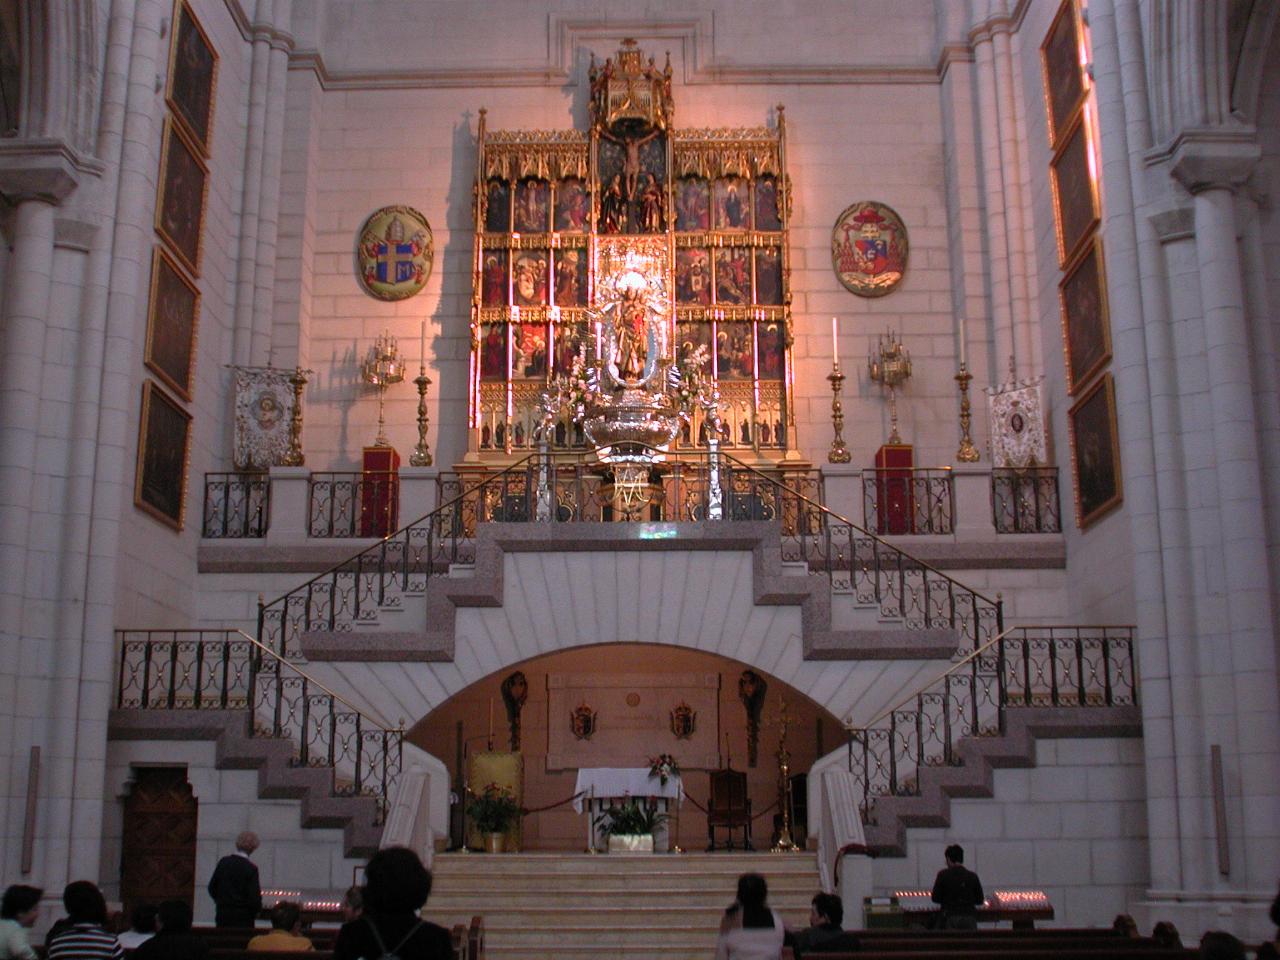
(493, 290)
(614, 207)
(769, 276)
(769, 426)
(493, 419)
(569, 339)
(180, 212)
(731, 204)
(529, 278)
(651, 205)
(733, 275)
(1063, 70)
(573, 206)
(497, 209)
(1075, 199)
(193, 72)
(171, 324)
(771, 349)
(1086, 332)
(693, 276)
(768, 215)
(571, 278)
(691, 335)
(533, 200)
(493, 351)
(1095, 453)
(164, 439)
(693, 205)
(528, 351)
(734, 356)
(526, 414)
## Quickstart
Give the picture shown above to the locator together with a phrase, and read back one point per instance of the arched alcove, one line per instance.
(633, 689)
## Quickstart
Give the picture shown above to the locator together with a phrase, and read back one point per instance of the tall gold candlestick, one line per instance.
(967, 453)
(838, 453)
(421, 456)
(294, 457)
(785, 842)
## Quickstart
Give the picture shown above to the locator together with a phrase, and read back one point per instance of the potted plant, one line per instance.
(493, 811)
(630, 826)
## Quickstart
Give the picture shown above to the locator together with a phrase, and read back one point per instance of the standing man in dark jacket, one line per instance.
(958, 891)
(234, 886)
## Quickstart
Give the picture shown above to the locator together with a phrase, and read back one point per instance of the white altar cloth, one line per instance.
(608, 783)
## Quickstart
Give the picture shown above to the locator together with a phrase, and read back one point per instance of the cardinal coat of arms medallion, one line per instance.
(869, 249)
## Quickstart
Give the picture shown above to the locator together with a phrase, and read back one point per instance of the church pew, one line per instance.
(978, 951)
(229, 954)
(924, 941)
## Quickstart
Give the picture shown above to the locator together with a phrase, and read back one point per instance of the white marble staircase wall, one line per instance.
(1074, 825)
(291, 857)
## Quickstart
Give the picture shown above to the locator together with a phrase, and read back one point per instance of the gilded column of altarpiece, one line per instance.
(559, 213)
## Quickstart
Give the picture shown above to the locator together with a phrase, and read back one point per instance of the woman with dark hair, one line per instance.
(396, 887)
(750, 930)
(18, 914)
(174, 940)
(83, 935)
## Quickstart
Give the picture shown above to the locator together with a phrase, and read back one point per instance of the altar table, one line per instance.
(598, 788)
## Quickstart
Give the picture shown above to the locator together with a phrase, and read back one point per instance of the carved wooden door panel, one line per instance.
(159, 858)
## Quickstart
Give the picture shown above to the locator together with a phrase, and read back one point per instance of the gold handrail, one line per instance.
(226, 631)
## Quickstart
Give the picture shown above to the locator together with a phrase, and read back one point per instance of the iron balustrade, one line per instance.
(229, 670)
(1026, 500)
(908, 500)
(236, 505)
(1025, 667)
(564, 488)
(351, 504)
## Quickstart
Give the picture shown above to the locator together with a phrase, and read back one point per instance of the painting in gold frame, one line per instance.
(1095, 453)
(164, 442)
(1075, 196)
(180, 210)
(171, 325)
(193, 77)
(1063, 73)
(1086, 326)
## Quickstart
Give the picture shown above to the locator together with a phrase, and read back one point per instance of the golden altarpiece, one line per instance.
(561, 216)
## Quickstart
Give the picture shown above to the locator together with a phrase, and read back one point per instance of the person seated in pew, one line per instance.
(750, 929)
(18, 913)
(1125, 926)
(396, 888)
(1165, 934)
(174, 939)
(142, 926)
(286, 930)
(352, 904)
(824, 933)
(1220, 945)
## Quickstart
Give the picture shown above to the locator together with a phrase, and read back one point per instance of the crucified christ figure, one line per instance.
(631, 159)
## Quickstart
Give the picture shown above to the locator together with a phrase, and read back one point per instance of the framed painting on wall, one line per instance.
(164, 440)
(1086, 329)
(193, 76)
(180, 212)
(1075, 196)
(171, 325)
(1095, 453)
(1063, 72)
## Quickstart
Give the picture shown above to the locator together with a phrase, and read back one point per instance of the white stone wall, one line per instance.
(1074, 826)
(291, 857)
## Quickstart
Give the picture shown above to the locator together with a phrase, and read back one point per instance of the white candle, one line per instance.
(835, 346)
(963, 354)
(422, 344)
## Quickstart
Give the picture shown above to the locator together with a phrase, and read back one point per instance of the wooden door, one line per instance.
(159, 858)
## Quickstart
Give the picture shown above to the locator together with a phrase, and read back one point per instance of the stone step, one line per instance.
(616, 916)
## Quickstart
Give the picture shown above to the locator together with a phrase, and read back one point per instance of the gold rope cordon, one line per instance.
(559, 803)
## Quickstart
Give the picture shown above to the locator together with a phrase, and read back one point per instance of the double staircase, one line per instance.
(1004, 688)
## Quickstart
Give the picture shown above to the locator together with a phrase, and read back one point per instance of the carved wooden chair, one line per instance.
(729, 808)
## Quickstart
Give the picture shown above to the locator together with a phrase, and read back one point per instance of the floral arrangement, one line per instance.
(493, 809)
(664, 767)
(630, 819)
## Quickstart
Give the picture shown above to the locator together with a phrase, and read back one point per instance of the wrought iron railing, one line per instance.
(346, 505)
(236, 505)
(229, 670)
(571, 488)
(1025, 667)
(908, 500)
(1026, 500)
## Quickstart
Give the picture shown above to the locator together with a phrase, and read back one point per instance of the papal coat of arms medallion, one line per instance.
(684, 720)
(869, 249)
(394, 253)
(583, 722)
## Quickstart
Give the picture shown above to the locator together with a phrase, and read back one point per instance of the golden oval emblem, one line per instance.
(869, 249)
(394, 253)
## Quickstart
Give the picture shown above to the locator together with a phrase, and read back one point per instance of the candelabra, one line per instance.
(967, 453)
(381, 369)
(294, 457)
(421, 456)
(785, 843)
(838, 453)
(890, 366)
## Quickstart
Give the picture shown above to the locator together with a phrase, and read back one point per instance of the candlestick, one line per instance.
(967, 453)
(294, 457)
(382, 368)
(421, 456)
(890, 365)
(838, 453)
(835, 343)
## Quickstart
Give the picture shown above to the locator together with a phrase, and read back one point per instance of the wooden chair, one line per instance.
(729, 807)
